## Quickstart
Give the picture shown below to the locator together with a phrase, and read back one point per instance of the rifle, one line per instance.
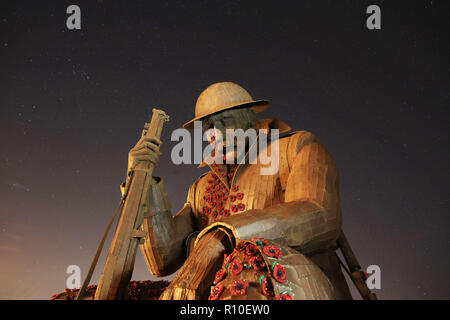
(118, 269)
(358, 277)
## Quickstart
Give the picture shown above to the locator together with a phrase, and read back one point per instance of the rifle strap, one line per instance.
(82, 291)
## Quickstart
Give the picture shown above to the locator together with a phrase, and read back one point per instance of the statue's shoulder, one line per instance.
(297, 139)
(294, 141)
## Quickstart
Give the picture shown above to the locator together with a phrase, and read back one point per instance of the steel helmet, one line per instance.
(223, 96)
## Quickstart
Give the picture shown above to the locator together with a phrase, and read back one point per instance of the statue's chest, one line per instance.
(221, 194)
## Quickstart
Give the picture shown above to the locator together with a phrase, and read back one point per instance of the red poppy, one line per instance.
(214, 214)
(239, 287)
(217, 187)
(284, 296)
(235, 188)
(257, 263)
(241, 206)
(234, 208)
(226, 213)
(240, 196)
(215, 292)
(223, 174)
(266, 286)
(219, 276)
(225, 197)
(204, 221)
(272, 251)
(251, 250)
(279, 273)
(235, 267)
(260, 241)
(232, 198)
(206, 210)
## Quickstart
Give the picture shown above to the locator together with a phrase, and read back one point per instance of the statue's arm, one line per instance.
(165, 244)
(310, 217)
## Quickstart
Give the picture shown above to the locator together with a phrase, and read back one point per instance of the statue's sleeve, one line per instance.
(309, 219)
(313, 183)
(164, 248)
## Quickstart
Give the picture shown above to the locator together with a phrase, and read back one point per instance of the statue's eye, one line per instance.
(206, 125)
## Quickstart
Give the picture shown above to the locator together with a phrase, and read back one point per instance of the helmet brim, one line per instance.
(256, 105)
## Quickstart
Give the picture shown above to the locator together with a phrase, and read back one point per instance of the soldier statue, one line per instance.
(240, 234)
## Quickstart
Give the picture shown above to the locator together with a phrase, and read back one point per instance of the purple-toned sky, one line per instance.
(74, 102)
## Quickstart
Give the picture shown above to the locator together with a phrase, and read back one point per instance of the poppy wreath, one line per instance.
(245, 265)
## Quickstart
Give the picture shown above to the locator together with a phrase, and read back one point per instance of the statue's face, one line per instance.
(229, 119)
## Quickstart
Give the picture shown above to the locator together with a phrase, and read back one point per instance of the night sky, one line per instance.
(72, 104)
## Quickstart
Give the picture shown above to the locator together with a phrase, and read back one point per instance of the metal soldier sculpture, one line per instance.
(248, 235)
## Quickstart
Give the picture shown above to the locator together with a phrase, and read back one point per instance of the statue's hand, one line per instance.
(195, 277)
(146, 149)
